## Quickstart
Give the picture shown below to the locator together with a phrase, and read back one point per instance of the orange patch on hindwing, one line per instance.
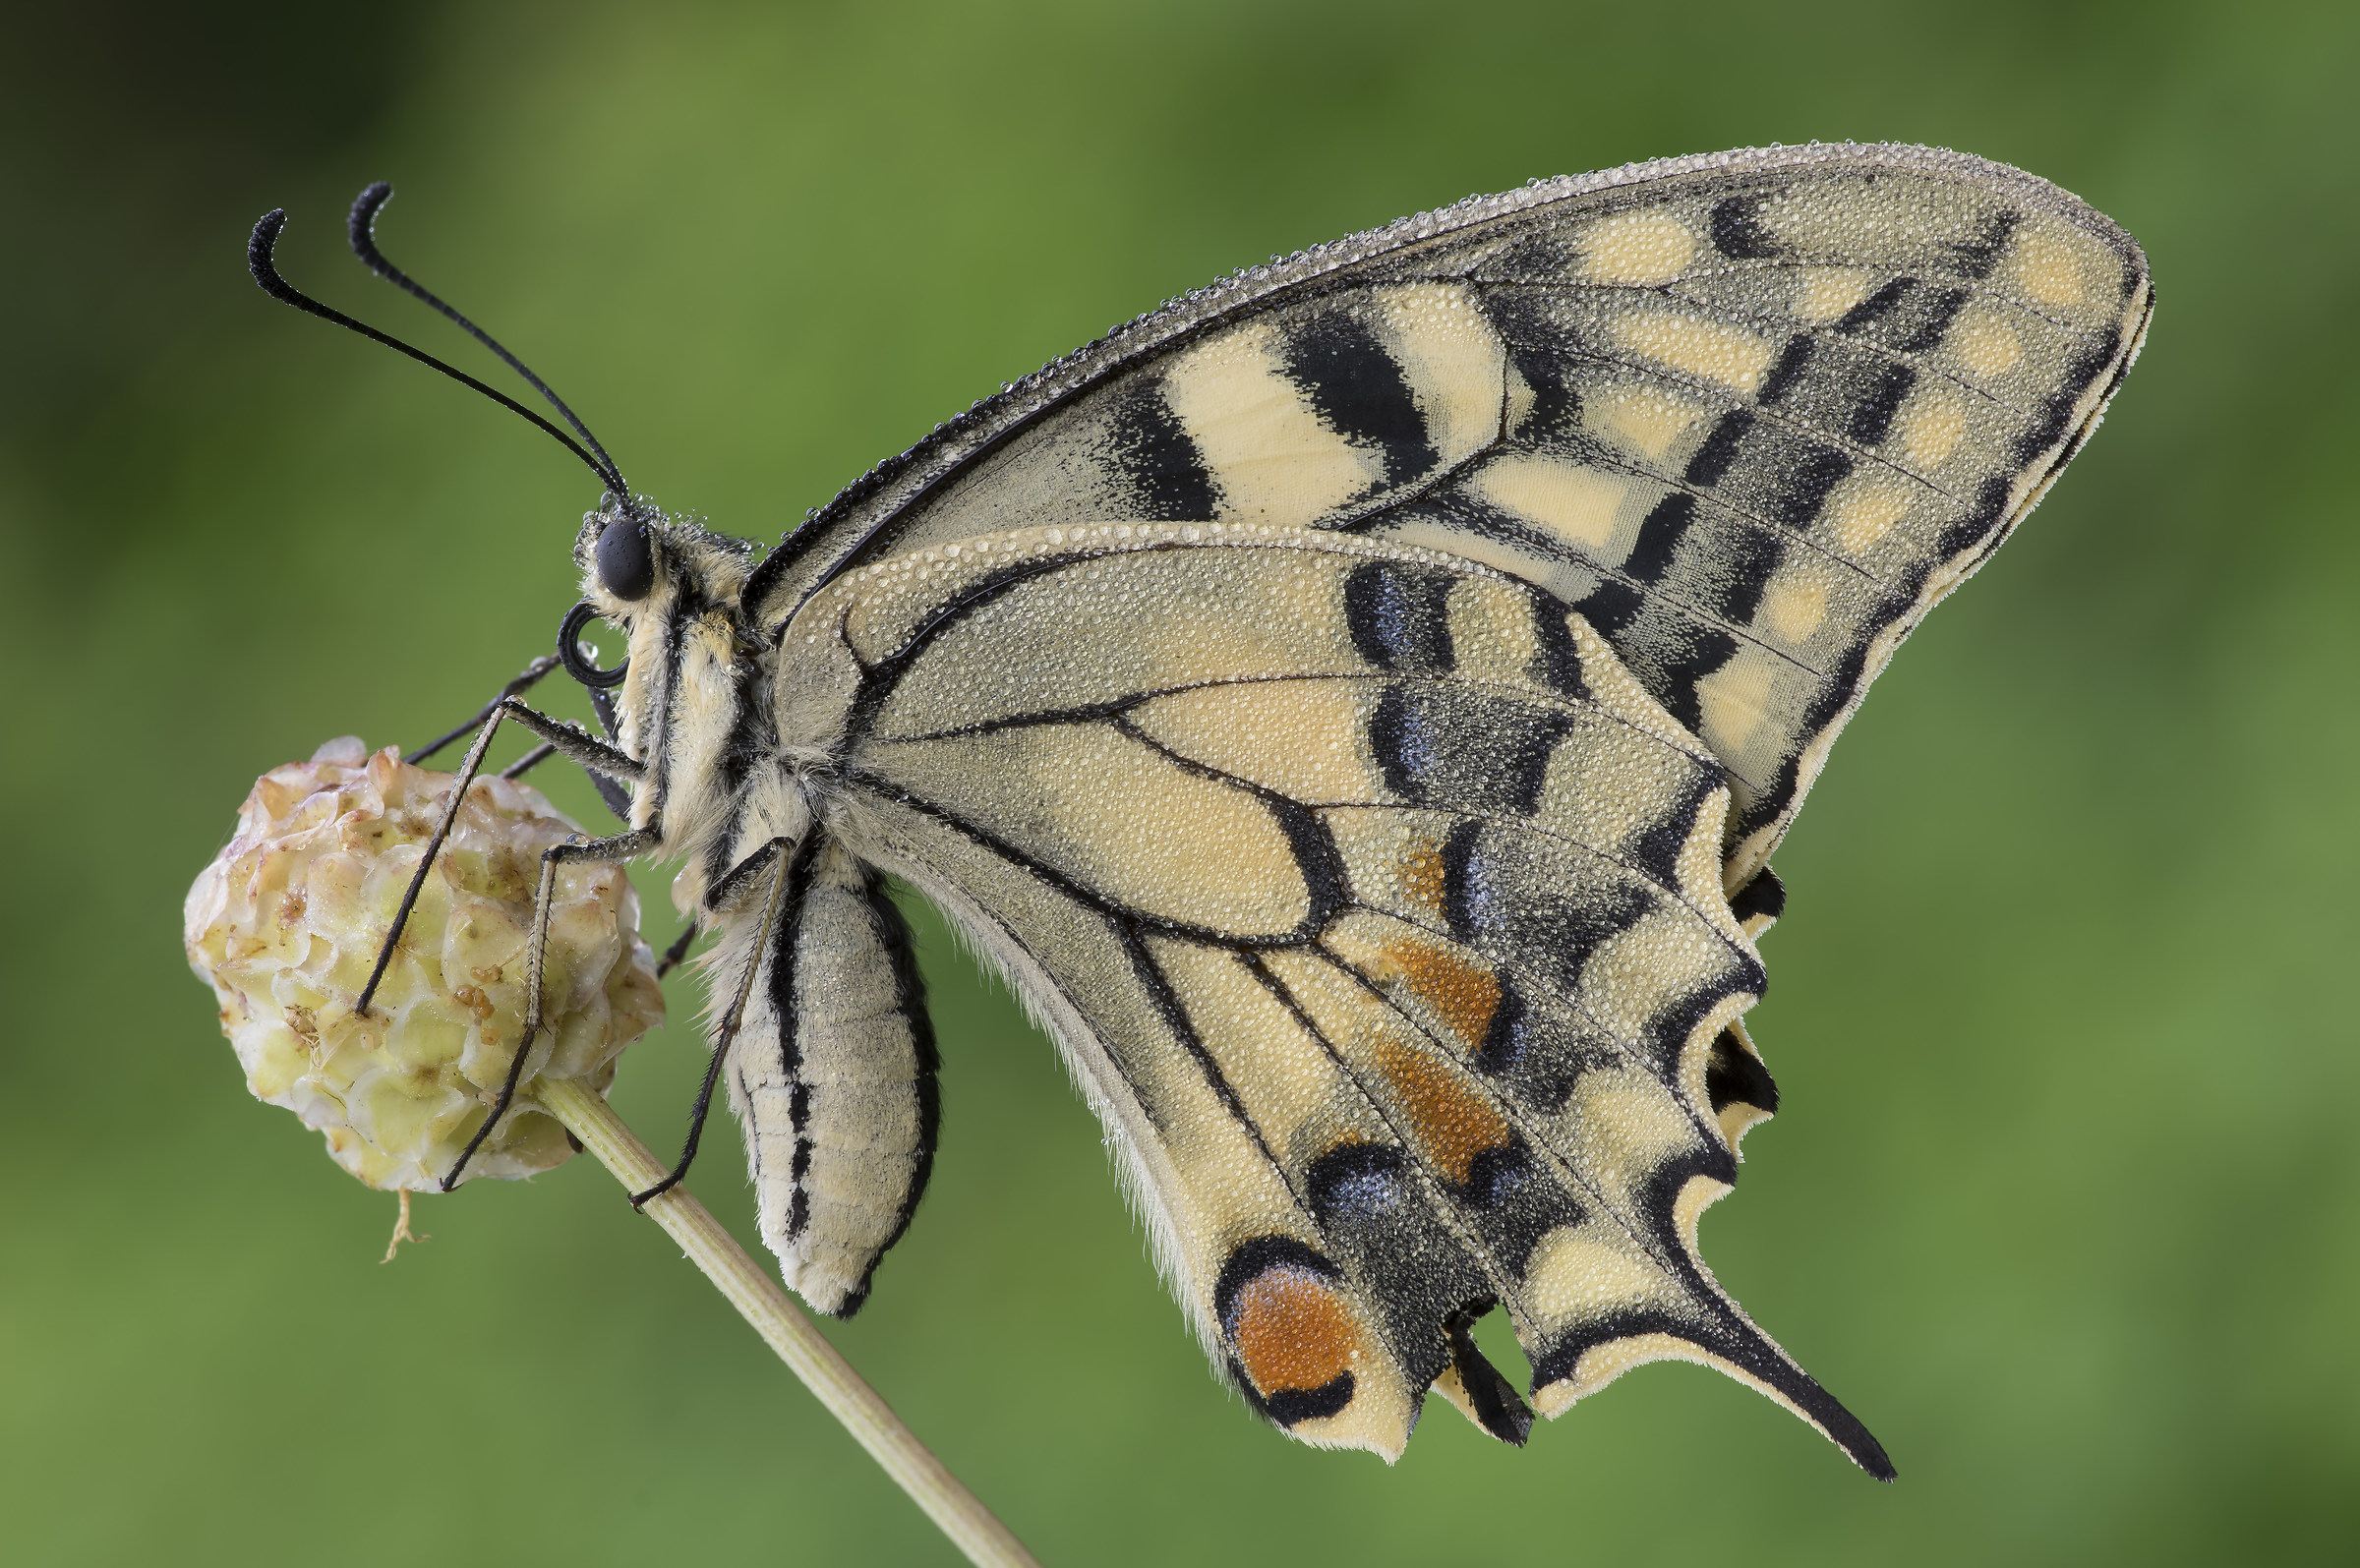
(1290, 1330)
(1451, 1122)
(1463, 995)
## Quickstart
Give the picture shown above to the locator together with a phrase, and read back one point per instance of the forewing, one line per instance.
(1752, 414)
(1378, 910)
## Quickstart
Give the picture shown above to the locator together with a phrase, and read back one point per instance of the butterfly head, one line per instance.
(662, 581)
(639, 566)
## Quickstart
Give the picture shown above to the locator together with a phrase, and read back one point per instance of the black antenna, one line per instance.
(259, 261)
(361, 229)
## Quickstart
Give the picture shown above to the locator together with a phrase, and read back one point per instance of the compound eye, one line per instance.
(627, 566)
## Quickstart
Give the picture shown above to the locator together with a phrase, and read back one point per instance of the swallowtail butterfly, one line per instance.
(1355, 705)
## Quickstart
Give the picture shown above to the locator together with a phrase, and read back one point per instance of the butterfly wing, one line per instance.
(1377, 909)
(1220, 681)
(1754, 414)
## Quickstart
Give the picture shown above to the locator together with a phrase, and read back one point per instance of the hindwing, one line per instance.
(1752, 414)
(1376, 907)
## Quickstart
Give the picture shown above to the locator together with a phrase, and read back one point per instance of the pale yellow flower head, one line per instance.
(286, 922)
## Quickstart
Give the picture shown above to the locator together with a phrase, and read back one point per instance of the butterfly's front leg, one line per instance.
(567, 738)
(613, 793)
(622, 846)
(526, 680)
(570, 741)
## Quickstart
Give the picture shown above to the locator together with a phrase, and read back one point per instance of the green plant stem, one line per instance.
(791, 1334)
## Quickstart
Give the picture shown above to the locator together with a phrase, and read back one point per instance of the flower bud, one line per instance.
(286, 923)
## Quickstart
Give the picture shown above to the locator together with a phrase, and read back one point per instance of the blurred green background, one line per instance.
(2064, 1200)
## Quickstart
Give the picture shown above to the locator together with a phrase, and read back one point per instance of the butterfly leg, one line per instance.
(617, 798)
(773, 852)
(566, 737)
(676, 951)
(623, 846)
(524, 682)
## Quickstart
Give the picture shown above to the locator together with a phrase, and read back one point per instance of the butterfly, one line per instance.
(1355, 705)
